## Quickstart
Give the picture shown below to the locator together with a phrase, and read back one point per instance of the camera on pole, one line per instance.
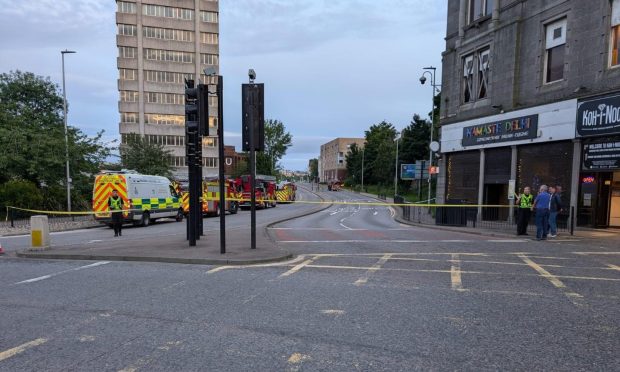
(253, 137)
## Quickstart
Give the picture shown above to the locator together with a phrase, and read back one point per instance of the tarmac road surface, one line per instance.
(364, 293)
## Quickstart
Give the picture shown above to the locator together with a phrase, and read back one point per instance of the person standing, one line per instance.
(524, 201)
(555, 207)
(115, 203)
(541, 206)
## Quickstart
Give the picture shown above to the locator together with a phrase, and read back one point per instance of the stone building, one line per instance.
(332, 162)
(160, 44)
(531, 96)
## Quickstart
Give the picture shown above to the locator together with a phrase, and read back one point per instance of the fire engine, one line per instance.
(285, 192)
(211, 196)
(265, 191)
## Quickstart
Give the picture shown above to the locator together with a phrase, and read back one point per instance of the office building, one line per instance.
(332, 162)
(160, 44)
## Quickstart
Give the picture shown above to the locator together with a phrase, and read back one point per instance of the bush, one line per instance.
(21, 194)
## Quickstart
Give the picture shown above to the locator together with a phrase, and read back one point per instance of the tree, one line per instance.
(146, 157)
(32, 138)
(354, 159)
(277, 141)
(380, 153)
(415, 141)
(240, 169)
(313, 168)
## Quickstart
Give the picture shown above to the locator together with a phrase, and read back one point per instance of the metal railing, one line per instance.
(485, 217)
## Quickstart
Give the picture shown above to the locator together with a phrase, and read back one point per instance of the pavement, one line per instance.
(365, 293)
(165, 242)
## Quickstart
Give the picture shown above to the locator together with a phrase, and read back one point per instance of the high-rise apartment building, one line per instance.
(160, 44)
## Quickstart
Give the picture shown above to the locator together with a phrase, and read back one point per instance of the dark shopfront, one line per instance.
(598, 126)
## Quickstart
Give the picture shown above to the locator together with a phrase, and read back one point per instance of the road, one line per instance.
(168, 227)
(365, 293)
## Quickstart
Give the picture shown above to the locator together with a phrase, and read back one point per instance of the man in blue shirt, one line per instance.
(541, 205)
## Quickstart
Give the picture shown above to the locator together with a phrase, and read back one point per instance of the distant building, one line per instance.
(160, 44)
(531, 96)
(233, 159)
(332, 162)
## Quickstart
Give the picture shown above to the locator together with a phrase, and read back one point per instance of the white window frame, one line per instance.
(552, 42)
(468, 78)
(470, 4)
(615, 23)
(483, 71)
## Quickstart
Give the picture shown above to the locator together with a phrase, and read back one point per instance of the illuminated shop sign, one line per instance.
(501, 131)
(598, 116)
(588, 179)
(601, 155)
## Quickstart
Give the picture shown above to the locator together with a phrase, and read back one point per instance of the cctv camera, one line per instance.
(423, 79)
(252, 74)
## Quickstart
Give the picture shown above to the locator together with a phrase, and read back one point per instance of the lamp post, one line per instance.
(396, 166)
(363, 153)
(64, 98)
(431, 71)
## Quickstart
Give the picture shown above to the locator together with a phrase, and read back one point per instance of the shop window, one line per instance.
(545, 164)
(463, 176)
(615, 33)
(555, 51)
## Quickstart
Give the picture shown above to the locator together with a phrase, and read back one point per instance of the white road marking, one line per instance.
(375, 213)
(62, 272)
(21, 348)
(94, 241)
(333, 312)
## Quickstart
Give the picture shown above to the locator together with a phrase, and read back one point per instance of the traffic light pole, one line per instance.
(252, 180)
(220, 139)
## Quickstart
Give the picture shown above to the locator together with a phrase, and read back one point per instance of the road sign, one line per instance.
(407, 171)
(421, 171)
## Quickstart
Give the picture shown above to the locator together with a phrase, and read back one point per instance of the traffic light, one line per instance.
(203, 109)
(253, 114)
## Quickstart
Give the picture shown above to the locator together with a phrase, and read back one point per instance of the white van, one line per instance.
(145, 198)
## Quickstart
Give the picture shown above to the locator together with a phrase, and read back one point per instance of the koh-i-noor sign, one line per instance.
(517, 129)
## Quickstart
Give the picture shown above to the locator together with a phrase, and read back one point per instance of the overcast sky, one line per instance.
(331, 68)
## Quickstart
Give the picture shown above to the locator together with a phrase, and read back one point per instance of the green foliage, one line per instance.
(314, 168)
(32, 137)
(277, 142)
(354, 159)
(379, 153)
(414, 141)
(145, 157)
(21, 194)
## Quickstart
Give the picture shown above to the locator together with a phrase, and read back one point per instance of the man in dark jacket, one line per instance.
(554, 208)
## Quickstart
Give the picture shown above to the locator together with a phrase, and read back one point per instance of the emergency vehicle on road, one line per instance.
(145, 198)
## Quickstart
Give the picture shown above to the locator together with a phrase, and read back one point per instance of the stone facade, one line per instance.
(161, 42)
(515, 73)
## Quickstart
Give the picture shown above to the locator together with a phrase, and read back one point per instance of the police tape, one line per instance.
(271, 201)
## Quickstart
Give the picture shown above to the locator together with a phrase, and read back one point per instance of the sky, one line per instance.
(331, 68)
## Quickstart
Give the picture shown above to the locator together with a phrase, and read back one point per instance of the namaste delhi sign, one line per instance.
(525, 127)
(598, 116)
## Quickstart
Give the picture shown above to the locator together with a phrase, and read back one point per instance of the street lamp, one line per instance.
(396, 166)
(431, 71)
(64, 97)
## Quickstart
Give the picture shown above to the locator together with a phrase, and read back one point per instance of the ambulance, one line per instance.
(145, 198)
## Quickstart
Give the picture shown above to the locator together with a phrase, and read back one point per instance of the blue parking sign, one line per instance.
(407, 171)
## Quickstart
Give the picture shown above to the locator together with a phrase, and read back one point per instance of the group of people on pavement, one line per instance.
(546, 207)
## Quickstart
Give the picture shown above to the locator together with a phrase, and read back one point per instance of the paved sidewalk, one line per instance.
(174, 249)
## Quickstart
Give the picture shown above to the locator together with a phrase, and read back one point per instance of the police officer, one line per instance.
(115, 203)
(524, 201)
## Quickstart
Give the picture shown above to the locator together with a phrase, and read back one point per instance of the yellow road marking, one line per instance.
(614, 267)
(21, 348)
(297, 267)
(455, 274)
(143, 362)
(595, 253)
(574, 297)
(373, 269)
(219, 268)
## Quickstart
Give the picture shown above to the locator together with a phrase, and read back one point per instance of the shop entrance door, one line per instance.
(614, 204)
(602, 202)
(495, 194)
